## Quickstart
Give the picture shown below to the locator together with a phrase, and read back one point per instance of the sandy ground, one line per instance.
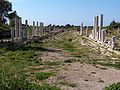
(80, 76)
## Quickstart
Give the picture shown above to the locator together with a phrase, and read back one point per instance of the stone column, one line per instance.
(33, 30)
(113, 41)
(54, 28)
(20, 28)
(41, 28)
(81, 29)
(93, 31)
(100, 25)
(12, 34)
(48, 29)
(37, 30)
(96, 28)
(26, 29)
(16, 28)
(103, 34)
(86, 31)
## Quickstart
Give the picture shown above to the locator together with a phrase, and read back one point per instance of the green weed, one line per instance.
(44, 75)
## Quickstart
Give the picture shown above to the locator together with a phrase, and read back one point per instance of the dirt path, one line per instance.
(80, 76)
(55, 55)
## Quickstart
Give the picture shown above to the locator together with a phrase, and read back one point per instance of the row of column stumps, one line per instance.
(98, 33)
(19, 32)
(81, 30)
(36, 30)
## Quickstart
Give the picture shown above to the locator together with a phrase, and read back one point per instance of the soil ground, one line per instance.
(81, 66)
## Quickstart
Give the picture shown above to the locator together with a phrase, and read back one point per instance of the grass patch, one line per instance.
(68, 46)
(44, 75)
(13, 65)
(115, 65)
(69, 61)
(52, 63)
(48, 87)
(104, 62)
(113, 87)
(64, 42)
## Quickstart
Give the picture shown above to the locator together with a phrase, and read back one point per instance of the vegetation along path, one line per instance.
(63, 62)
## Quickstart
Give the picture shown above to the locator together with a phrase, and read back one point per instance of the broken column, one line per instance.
(81, 29)
(37, 30)
(41, 29)
(113, 42)
(100, 26)
(103, 34)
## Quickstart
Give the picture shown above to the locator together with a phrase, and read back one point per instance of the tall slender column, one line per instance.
(37, 34)
(26, 29)
(93, 31)
(100, 26)
(97, 32)
(16, 28)
(20, 28)
(86, 31)
(81, 29)
(41, 28)
(33, 30)
(96, 27)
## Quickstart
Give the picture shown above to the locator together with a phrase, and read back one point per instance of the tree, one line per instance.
(67, 26)
(114, 25)
(5, 8)
(11, 16)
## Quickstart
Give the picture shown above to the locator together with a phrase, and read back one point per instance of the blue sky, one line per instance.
(67, 11)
